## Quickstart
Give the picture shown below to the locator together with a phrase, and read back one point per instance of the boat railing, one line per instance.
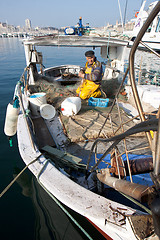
(21, 89)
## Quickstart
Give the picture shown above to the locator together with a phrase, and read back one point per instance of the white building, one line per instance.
(28, 23)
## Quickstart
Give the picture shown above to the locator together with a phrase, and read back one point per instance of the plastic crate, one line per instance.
(98, 102)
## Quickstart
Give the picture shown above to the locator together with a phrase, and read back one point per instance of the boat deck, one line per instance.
(82, 129)
(77, 133)
(88, 123)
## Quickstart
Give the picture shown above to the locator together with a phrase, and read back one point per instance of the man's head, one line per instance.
(90, 56)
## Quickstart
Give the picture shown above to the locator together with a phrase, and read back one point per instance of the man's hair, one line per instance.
(89, 53)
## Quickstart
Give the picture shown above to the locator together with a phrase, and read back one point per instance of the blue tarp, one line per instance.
(141, 178)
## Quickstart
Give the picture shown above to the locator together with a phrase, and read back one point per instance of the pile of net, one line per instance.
(55, 92)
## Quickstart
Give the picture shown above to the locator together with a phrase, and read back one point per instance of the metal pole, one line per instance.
(149, 48)
(124, 21)
(157, 150)
(120, 14)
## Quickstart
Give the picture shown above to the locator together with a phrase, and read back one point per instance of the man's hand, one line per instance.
(81, 74)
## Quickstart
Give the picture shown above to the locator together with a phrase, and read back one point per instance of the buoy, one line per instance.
(10, 127)
(136, 14)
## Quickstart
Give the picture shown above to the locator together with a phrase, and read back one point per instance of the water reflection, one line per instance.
(51, 223)
(146, 67)
(8, 45)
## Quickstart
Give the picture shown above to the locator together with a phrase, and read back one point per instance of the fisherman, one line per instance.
(91, 77)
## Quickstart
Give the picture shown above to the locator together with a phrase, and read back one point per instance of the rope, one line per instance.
(13, 181)
(27, 112)
(61, 206)
(114, 100)
(10, 142)
(137, 203)
(67, 213)
(57, 202)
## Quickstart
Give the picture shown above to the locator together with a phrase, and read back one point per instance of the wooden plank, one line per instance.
(43, 136)
(64, 159)
(60, 154)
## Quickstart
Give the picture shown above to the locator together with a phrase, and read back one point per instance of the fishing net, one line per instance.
(56, 91)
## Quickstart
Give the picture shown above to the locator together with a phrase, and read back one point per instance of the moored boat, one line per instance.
(152, 35)
(95, 160)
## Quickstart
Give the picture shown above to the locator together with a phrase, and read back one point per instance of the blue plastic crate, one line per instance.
(98, 102)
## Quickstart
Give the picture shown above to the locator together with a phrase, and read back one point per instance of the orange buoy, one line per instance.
(136, 14)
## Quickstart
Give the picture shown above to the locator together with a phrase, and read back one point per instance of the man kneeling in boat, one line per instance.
(91, 77)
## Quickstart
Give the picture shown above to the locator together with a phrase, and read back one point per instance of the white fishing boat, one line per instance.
(88, 155)
(152, 35)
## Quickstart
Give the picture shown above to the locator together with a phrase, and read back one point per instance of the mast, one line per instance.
(125, 13)
(120, 14)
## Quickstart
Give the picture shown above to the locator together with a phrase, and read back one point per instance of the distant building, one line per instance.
(129, 26)
(28, 24)
(3, 24)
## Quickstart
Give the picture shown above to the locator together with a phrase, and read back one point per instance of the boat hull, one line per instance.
(86, 203)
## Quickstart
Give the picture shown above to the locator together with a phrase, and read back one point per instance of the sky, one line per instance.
(60, 13)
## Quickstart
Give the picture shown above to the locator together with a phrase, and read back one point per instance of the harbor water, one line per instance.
(27, 212)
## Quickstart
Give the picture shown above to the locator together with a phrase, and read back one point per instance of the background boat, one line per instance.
(152, 35)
